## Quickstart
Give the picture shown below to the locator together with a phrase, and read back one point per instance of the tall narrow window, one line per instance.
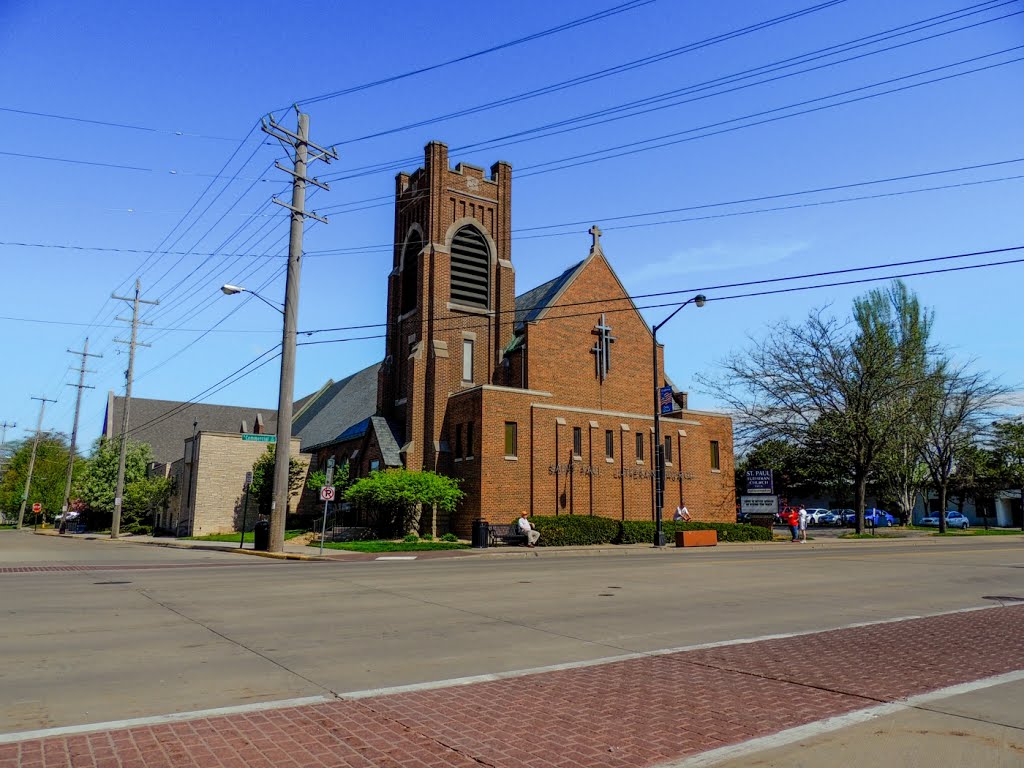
(639, 446)
(668, 450)
(458, 441)
(467, 360)
(577, 442)
(469, 440)
(511, 439)
(471, 268)
(715, 459)
(609, 444)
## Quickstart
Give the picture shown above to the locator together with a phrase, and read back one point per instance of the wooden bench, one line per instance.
(505, 534)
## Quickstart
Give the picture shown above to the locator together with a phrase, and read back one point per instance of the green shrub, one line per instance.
(411, 538)
(574, 530)
(427, 537)
(642, 531)
(449, 537)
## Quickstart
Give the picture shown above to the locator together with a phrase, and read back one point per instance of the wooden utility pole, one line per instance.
(32, 461)
(300, 143)
(82, 370)
(115, 523)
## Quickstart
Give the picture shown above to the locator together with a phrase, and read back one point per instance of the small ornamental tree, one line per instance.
(400, 495)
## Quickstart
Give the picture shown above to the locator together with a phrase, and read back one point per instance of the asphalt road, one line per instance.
(160, 630)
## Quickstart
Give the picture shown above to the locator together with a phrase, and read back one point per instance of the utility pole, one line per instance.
(82, 370)
(3, 439)
(300, 143)
(32, 461)
(115, 523)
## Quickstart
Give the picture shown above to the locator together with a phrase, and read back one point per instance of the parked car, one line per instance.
(829, 518)
(953, 520)
(843, 516)
(815, 515)
(878, 518)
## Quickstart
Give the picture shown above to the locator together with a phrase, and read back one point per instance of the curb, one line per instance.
(192, 547)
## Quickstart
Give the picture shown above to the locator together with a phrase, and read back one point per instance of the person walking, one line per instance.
(802, 522)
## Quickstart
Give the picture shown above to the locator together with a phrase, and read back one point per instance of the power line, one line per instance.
(673, 96)
(518, 231)
(613, 11)
(681, 291)
(794, 289)
(117, 166)
(563, 163)
(109, 124)
(602, 73)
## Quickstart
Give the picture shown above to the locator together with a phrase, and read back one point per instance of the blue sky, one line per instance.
(208, 71)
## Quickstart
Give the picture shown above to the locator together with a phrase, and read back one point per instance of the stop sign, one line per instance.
(37, 507)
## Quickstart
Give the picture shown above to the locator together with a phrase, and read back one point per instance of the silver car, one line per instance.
(953, 520)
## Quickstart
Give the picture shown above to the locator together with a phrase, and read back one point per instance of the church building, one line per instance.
(541, 401)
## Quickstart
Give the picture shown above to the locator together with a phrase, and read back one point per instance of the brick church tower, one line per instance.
(451, 298)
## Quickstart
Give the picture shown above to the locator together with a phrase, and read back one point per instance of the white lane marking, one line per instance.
(9, 738)
(810, 730)
(176, 717)
(471, 679)
(396, 557)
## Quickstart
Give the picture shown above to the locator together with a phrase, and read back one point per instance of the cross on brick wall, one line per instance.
(602, 349)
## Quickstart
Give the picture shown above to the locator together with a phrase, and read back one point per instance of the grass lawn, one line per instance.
(981, 532)
(872, 536)
(391, 546)
(233, 537)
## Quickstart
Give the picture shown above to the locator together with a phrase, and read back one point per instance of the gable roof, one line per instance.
(166, 424)
(532, 304)
(339, 406)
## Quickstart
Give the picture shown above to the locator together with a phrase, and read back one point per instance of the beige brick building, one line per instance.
(210, 483)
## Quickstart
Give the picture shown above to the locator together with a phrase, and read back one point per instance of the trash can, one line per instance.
(479, 533)
(261, 536)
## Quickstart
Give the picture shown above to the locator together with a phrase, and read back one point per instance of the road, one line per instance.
(139, 631)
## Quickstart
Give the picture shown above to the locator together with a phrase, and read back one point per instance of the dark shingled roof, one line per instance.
(387, 440)
(166, 424)
(530, 304)
(340, 406)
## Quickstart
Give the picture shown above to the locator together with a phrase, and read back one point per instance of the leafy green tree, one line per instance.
(262, 487)
(975, 477)
(48, 476)
(400, 495)
(1007, 443)
(142, 495)
(841, 384)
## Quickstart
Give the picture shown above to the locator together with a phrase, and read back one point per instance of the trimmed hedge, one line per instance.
(575, 530)
(642, 531)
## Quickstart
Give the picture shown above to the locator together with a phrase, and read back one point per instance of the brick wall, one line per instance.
(218, 496)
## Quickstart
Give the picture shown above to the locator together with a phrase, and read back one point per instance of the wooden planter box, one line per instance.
(696, 538)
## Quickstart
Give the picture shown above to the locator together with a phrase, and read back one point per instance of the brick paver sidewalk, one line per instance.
(634, 712)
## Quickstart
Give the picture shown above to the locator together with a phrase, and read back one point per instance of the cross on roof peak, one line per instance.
(595, 232)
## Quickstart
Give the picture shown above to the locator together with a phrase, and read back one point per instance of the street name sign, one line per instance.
(260, 438)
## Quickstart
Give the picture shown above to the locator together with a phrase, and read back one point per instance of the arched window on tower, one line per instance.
(410, 259)
(471, 268)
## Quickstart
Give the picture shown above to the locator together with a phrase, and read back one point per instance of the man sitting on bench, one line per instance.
(526, 528)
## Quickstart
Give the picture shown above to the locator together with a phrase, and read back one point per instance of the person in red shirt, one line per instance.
(793, 521)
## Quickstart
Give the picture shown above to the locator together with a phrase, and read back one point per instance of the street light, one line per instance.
(286, 388)
(231, 290)
(659, 449)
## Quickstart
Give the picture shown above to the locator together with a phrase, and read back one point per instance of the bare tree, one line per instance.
(961, 403)
(848, 385)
